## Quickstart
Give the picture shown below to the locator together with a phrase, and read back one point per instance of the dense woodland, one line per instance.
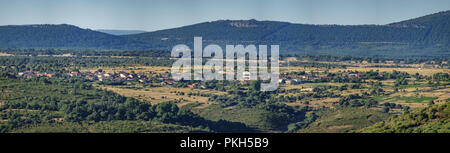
(48, 101)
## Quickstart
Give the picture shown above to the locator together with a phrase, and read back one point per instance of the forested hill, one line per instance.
(61, 36)
(423, 36)
(429, 36)
(437, 27)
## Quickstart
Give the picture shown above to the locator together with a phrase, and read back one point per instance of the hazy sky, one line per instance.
(153, 15)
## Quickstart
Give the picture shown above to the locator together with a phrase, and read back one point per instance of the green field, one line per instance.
(413, 86)
(414, 99)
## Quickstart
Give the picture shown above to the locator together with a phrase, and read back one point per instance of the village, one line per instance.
(289, 78)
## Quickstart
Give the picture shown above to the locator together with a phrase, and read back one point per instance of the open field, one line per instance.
(316, 103)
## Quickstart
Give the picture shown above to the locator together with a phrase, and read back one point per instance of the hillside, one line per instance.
(60, 36)
(344, 119)
(425, 21)
(434, 119)
(437, 27)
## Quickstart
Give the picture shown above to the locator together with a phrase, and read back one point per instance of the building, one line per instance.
(246, 75)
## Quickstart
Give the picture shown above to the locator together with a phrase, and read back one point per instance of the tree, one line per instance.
(385, 109)
(431, 103)
(255, 85)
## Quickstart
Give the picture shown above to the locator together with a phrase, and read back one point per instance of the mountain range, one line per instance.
(423, 36)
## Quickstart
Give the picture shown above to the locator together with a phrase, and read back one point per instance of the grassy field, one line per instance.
(414, 99)
(413, 86)
(420, 98)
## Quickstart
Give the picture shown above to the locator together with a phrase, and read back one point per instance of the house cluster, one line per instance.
(290, 81)
(353, 75)
(31, 74)
(101, 76)
(292, 78)
(163, 78)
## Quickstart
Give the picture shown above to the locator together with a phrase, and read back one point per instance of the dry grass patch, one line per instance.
(301, 87)
(5, 54)
(316, 103)
(327, 102)
(162, 94)
(441, 94)
(64, 55)
(60, 55)
(301, 68)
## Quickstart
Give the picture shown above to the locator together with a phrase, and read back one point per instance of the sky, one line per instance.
(151, 15)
